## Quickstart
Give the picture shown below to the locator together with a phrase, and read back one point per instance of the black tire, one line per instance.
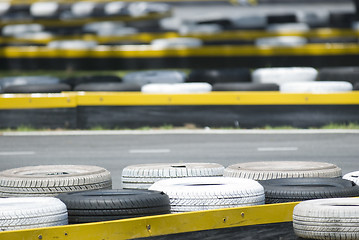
(356, 87)
(346, 74)
(220, 75)
(333, 40)
(38, 88)
(101, 205)
(124, 87)
(300, 189)
(223, 22)
(341, 19)
(73, 81)
(245, 87)
(282, 18)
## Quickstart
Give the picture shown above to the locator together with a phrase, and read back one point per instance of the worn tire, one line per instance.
(158, 76)
(245, 87)
(282, 169)
(300, 189)
(203, 193)
(316, 87)
(334, 218)
(38, 88)
(25, 213)
(213, 76)
(142, 176)
(346, 74)
(282, 75)
(104, 205)
(108, 87)
(50, 180)
(352, 176)
(176, 88)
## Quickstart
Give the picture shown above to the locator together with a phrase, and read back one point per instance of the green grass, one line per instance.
(341, 126)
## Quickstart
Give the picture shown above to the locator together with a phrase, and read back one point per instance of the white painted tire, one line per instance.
(250, 22)
(159, 76)
(195, 194)
(282, 169)
(104, 25)
(72, 44)
(50, 180)
(142, 176)
(176, 88)
(352, 176)
(28, 80)
(4, 7)
(288, 27)
(333, 218)
(114, 8)
(314, 19)
(316, 87)
(176, 43)
(16, 29)
(31, 212)
(44, 9)
(199, 29)
(82, 9)
(284, 74)
(283, 41)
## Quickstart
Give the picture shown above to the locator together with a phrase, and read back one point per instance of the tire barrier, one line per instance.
(38, 88)
(31, 212)
(282, 169)
(106, 205)
(160, 76)
(50, 180)
(352, 176)
(301, 189)
(142, 176)
(333, 218)
(196, 194)
(316, 87)
(108, 87)
(176, 88)
(284, 75)
(213, 76)
(346, 74)
(245, 87)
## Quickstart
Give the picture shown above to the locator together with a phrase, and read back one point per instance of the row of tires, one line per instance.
(84, 194)
(304, 79)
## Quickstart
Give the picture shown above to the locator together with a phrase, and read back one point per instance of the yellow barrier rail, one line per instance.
(162, 225)
(75, 99)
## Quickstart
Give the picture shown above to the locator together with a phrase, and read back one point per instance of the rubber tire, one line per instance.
(334, 218)
(108, 87)
(316, 87)
(346, 74)
(341, 19)
(356, 86)
(300, 189)
(105, 205)
(176, 88)
(50, 180)
(281, 18)
(38, 88)
(74, 81)
(282, 169)
(352, 176)
(245, 87)
(203, 193)
(142, 176)
(158, 76)
(25, 213)
(213, 76)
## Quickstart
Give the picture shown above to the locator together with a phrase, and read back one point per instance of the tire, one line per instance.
(74, 81)
(108, 87)
(300, 189)
(334, 218)
(142, 176)
(28, 80)
(333, 40)
(176, 42)
(316, 87)
(44, 9)
(105, 205)
(282, 169)
(203, 193)
(341, 19)
(245, 87)
(26, 213)
(213, 76)
(352, 176)
(314, 19)
(177, 88)
(50, 180)
(345, 74)
(356, 86)
(284, 75)
(159, 76)
(72, 44)
(281, 18)
(13, 30)
(199, 29)
(288, 27)
(38, 88)
(250, 22)
(282, 41)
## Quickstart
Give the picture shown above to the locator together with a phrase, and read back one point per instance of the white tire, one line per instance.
(25, 213)
(35, 36)
(282, 169)
(176, 43)
(250, 22)
(44, 9)
(314, 19)
(104, 25)
(316, 87)
(284, 74)
(50, 180)
(333, 218)
(283, 41)
(177, 88)
(82, 9)
(288, 27)
(16, 29)
(142, 176)
(159, 76)
(4, 7)
(201, 193)
(72, 44)
(199, 29)
(352, 176)
(113, 8)
(28, 80)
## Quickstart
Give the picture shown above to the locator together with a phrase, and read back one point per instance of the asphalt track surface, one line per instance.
(116, 150)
